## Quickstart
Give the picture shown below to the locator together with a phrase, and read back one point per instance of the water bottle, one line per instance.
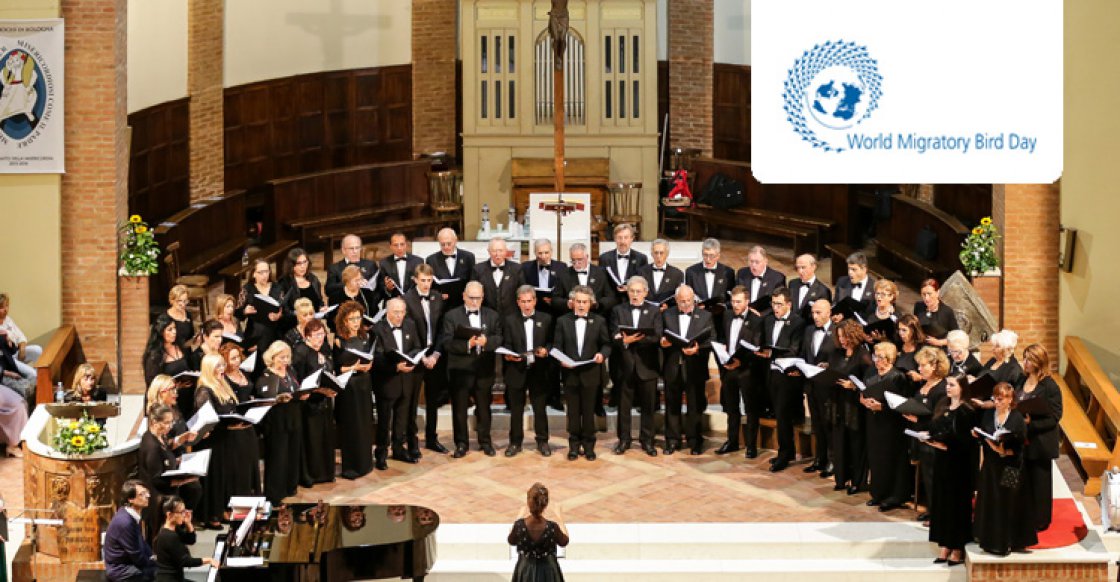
(245, 258)
(59, 393)
(486, 218)
(512, 219)
(525, 225)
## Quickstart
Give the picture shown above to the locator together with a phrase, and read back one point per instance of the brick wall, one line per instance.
(95, 186)
(690, 73)
(205, 45)
(1027, 215)
(433, 75)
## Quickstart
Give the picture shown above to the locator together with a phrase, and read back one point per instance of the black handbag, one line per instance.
(722, 193)
(1011, 477)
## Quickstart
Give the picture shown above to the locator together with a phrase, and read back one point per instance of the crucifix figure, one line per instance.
(558, 29)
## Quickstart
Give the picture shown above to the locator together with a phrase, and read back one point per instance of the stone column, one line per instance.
(691, 54)
(434, 38)
(205, 46)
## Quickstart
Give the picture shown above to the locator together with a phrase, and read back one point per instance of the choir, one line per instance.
(884, 390)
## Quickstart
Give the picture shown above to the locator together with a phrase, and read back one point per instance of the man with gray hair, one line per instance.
(662, 278)
(582, 272)
(685, 370)
(500, 278)
(582, 336)
(711, 280)
(451, 262)
(635, 328)
(529, 334)
(351, 248)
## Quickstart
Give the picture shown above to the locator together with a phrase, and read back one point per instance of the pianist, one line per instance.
(128, 557)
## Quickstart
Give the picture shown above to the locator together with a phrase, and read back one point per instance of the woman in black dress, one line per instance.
(165, 354)
(936, 318)
(961, 360)
(911, 338)
(352, 290)
(318, 411)
(933, 367)
(1042, 432)
(84, 388)
(887, 451)
(225, 311)
(178, 298)
(849, 437)
(247, 440)
(230, 471)
(950, 437)
(262, 327)
(886, 293)
(1004, 520)
(536, 539)
(282, 427)
(170, 546)
(297, 280)
(209, 343)
(1002, 366)
(163, 391)
(303, 313)
(353, 407)
(156, 457)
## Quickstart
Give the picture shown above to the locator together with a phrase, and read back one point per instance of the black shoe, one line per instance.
(839, 487)
(380, 464)
(826, 474)
(489, 450)
(727, 447)
(954, 562)
(589, 455)
(544, 449)
(621, 447)
(350, 475)
(872, 503)
(885, 507)
(779, 466)
(697, 450)
(556, 405)
(751, 454)
(573, 454)
(940, 560)
(922, 516)
(415, 453)
(649, 450)
(404, 457)
(513, 450)
(853, 490)
(773, 460)
(813, 468)
(460, 452)
(436, 446)
(670, 448)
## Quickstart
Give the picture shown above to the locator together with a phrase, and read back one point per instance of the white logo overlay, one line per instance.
(892, 92)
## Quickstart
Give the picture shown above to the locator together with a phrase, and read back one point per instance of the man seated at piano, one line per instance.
(127, 556)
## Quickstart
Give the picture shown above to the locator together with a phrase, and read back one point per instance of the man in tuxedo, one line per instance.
(425, 309)
(783, 332)
(857, 284)
(661, 277)
(529, 332)
(623, 261)
(394, 381)
(351, 255)
(500, 279)
(545, 273)
(685, 370)
(470, 365)
(759, 279)
(582, 272)
(127, 555)
(396, 269)
(739, 325)
(711, 281)
(451, 262)
(806, 287)
(816, 347)
(582, 335)
(638, 367)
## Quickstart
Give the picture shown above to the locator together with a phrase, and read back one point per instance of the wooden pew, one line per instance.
(331, 238)
(235, 273)
(310, 227)
(896, 240)
(702, 220)
(62, 354)
(1090, 414)
(209, 233)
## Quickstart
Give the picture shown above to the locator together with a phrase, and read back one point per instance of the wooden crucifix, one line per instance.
(558, 28)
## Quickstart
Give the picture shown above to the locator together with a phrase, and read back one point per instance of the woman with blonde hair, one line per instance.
(282, 427)
(1042, 431)
(886, 293)
(178, 298)
(163, 391)
(304, 312)
(887, 456)
(230, 467)
(933, 367)
(224, 310)
(536, 538)
(84, 387)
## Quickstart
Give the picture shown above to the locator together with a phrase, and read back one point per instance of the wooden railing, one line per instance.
(1090, 414)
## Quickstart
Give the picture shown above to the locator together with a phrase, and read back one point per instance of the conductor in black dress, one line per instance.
(396, 270)
(816, 348)
(394, 382)
(425, 309)
(637, 362)
(739, 325)
(806, 287)
(582, 336)
(685, 370)
(783, 330)
(451, 262)
(470, 365)
(351, 255)
(528, 333)
(500, 279)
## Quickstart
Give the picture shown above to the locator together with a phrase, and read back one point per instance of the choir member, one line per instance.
(351, 248)
(238, 381)
(685, 371)
(425, 309)
(782, 333)
(162, 392)
(806, 287)
(225, 307)
(582, 272)
(887, 449)
(937, 319)
(242, 387)
(758, 277)
(661, 277)
(961, 361)
(529, 333)
(933, 367)
(282, 427)
(470, 365)
(886, 294)
(911, 338)
(170, 545)
(304, 311)
(623, 261)
(740, 324)
(500, 279)
(816, 349)
(352, 289)
(1002, 365)
(396, 269)
(710, 280)
(165, 354)
(544, 272)
(85, 388)
(311, 354)
(950, 438)
(638, 363)
(178, 298)
(353, 407)
(262, 327)
(157, 456)
(394, 381)
(582, 336)
(849, 433)
(297, 281)
(210, 342)
(857, 284)
(233, 446)
(1042, 432)
(1005, 518)
(451, 262)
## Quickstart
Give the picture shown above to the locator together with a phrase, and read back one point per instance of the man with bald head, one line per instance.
(351, 248)
(451, 262)
(816, 347)
(685, 370)
(806, 287)
(394, 381)
(500, 279)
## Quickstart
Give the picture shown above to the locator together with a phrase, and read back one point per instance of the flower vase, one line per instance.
(133, 333)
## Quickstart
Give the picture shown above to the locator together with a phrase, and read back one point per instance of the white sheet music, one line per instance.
(323, 314)
(782, 364)
(992, 436)
(249, 363)
(267, 299)
(311, 381)
(920, 435)
(246, 525)
(749, 345)
(893, 400)
(439, 281)
(808, 369)
(720, 351)
(204, 418)
(564, 359)
(859, 384)
(194, 464)
(367, 356)
(413, 359)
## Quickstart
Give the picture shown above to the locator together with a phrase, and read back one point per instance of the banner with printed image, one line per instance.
(31, 96)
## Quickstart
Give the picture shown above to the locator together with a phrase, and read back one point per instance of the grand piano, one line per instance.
(323, 542)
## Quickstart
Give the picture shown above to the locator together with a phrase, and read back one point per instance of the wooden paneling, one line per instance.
(159, 160)
(968, 202)
(316, 122)
(731, 112)
(663, 107)
(210, 233)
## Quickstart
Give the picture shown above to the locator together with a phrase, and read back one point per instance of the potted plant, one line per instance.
(978, 251)
(139, 249)
(80, 437)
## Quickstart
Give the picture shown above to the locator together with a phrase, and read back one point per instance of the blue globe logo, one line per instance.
(831, 87)
(836, 98)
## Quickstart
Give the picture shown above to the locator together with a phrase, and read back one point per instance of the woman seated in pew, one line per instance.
(1004, 520)
(231, 445)
(84, 388)
(13, 417)
(933, 367)
(1002, 366)
(261, 303)
(308, 356)
(282, 427)
(887, 450)
(209, 343)
(164, 392)
(156, 456)
(849, 438)
(23, 353)
(352, 290)
(178, 298)
(936, 318)
(886, 294)
(911, 338)
(165, 354)
(233, 355)
(961, 360)
(225, 311)
(304, 312)
(1042, 431)
(950, 439)
(297, 281)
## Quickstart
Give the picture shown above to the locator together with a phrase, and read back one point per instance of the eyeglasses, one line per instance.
(474, 297)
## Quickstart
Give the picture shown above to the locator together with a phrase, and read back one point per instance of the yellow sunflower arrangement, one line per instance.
(80, 437)
(139, 249)
(978, 251)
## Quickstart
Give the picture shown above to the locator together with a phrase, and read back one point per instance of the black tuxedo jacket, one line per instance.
(828, 345)
(459, 356)
(387, 380)
(388, 267)
(721, 287)
(750, 331)
(464, 272)
(436, 306)
(791, 335)
(596, 340)
(672, 279)
(641, 357)
(817, 290)
(513, 339)
(530, 272)
(769, 281)
(334, 274)
(610, 259)
(501, 298)
(844, 291)
(676, 362)
(597, 279)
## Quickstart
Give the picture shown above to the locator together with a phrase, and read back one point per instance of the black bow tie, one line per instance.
(659, 269)
(782, 319)
(689, 314)
(742, 317)
(581, 272)
(472, 313)
(819, 328)
(425, 298)
(452, 257)
(395, 327)
(857, 285)
(526, 318)
(583, 317)
(497, 267)
(707, 270)
(399, 259)
(624, 257)
(756, 277)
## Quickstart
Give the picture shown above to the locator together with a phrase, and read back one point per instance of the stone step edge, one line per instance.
(703, 566)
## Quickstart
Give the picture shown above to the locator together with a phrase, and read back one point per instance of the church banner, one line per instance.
(31, 97)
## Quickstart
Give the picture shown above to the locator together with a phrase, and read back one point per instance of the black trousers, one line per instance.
(757, 397)
(785, 393)
(633, 389)
(465, 386)
(820, 415)
(581, 412)
(435, 395)
(392, 422)
(536, 387)
(733, 390)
